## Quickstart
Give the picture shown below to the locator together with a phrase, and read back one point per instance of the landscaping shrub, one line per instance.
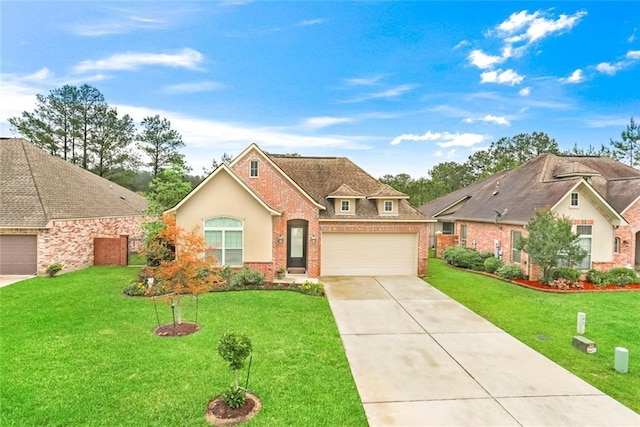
(226, 273)
(570, 274)
(597, 277)
(246, 277)
(491, 265)
(622, 276)
(54, 269)
(462, 257)
(510, 272)
(312, 288)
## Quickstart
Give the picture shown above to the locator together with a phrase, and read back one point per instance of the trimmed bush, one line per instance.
(462, 257)
(597, 277)
(510, 272)
(570, 274)
(491, 265)
(246, 277)
(622, 276)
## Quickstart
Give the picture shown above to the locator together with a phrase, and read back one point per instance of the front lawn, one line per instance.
(547, 322)
(75, 351)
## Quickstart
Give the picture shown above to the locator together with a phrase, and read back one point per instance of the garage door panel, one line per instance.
(18, 254)
(352, 254)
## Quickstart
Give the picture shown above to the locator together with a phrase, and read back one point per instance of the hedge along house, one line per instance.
(598, 194)
(311, 215)
(54, 212)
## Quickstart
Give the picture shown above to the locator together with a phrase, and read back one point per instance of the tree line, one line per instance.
(78, 125)
(506, 153)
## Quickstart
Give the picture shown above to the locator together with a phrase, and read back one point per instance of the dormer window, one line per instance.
(388, 206)
(253, 169)
(574, 200)
(345, 206)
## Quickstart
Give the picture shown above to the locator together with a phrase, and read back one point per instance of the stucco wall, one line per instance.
(70, 242)
(224, 196)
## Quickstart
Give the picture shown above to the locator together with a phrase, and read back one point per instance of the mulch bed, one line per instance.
(178, 330)
(588, 287)
(219, 413)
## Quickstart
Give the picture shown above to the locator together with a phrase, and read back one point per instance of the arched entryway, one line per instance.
(297, 231)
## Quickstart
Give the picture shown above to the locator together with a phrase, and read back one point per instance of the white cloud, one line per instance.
(521, 30)
(632, 37)
(489, 118)
(123, 21)
(633, 54)
(195, 87)
(322, 122)
(528, 27)
(461, 44)
(385, 94)
(525, 91)
(607, 68)
(187, 58)
(576, 77)
(482, 60)
(364, 81)
(443, 140)
(509, 77)
(308, 22)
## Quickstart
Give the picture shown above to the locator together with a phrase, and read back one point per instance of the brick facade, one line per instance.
(281, 194)
(71, 242)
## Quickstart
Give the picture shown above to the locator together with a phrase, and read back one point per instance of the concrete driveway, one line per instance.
(421, 359)
(8, 280)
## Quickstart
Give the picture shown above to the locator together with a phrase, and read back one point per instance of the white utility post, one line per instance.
(621, 361)
(582, 320)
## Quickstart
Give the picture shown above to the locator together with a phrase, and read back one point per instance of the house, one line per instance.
(600, 195)
(53, 212)
(312, 215)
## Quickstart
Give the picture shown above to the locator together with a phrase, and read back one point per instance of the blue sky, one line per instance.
(396, 87)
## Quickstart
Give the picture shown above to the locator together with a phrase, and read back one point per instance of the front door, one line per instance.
(297, 244)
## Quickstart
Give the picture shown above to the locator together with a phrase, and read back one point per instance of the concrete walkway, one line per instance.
(8, 280)
(420, 358)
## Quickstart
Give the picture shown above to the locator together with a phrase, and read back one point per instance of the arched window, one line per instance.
(224, 236)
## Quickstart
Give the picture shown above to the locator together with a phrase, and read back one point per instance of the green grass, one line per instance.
(613, 320)
(75, 351)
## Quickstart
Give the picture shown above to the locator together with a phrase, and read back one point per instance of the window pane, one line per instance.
(583, 230)
(516, 255)
(213, 238)
(585, 243)
(297, 242)
(344, 205)
(223, 222)
(233, 239)
(233, 257)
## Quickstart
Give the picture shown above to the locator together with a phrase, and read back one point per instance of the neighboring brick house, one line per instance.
(312, 215)
(600, 195)
(52, 211)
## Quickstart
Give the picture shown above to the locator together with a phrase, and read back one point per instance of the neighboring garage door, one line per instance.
(18, 254)
(366, 254)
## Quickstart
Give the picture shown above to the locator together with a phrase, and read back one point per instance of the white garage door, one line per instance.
(366, 254)
(18, 254)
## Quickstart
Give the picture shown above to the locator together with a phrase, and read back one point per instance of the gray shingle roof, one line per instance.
(320, 177)
(540, 182)
(36, 187)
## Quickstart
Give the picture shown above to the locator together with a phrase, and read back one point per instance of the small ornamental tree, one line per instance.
(190, 271)
(550, 242)
(235, 348)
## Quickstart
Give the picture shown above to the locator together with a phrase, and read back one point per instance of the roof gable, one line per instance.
(36, 187)
(543, 181)
(220, 170)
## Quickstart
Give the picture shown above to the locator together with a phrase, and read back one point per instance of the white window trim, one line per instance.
(617, 241)
(224, 229)
(577, 205)
(342, 209)
(251, 163)
(385, 206)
